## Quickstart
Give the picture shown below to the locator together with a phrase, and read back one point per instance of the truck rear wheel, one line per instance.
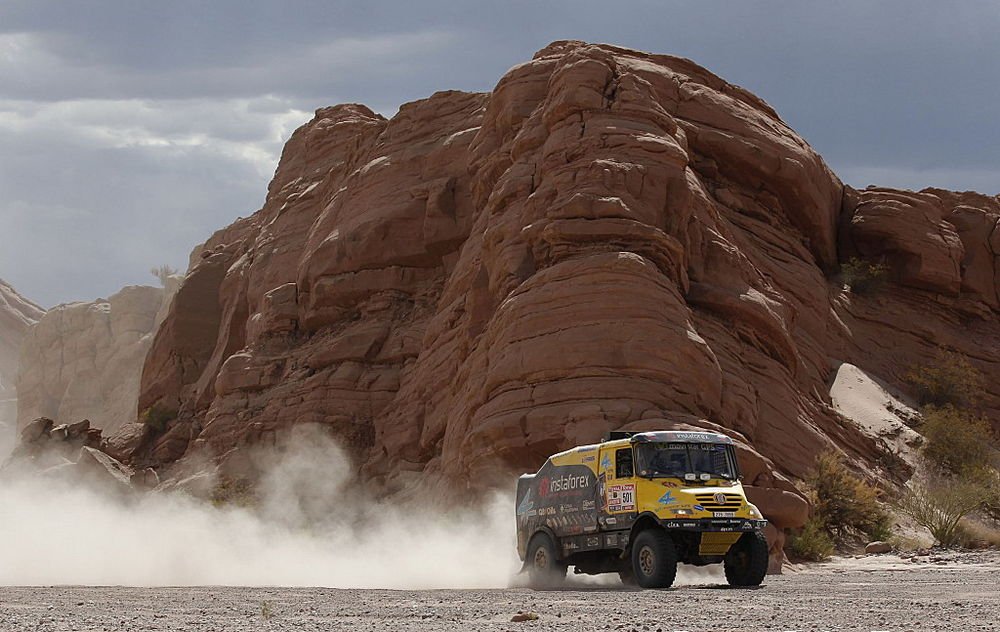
(544, 570)
(746, 561)
(654, 559)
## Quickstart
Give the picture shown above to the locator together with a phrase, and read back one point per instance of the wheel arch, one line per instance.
(646, 520)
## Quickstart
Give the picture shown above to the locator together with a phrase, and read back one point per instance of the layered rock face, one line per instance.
(606, 239)
(84, 360)
(17, 315)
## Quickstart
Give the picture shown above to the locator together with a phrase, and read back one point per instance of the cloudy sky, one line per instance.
(131, 130)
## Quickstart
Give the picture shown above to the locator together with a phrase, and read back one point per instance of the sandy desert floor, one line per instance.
(943, 591)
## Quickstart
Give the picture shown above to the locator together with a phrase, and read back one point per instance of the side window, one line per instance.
(623, 463)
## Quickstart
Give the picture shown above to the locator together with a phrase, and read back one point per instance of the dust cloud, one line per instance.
(312, 526)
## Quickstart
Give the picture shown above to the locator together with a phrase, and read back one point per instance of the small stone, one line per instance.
(874, 548)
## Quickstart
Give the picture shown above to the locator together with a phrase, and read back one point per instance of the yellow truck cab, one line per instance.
(636, 504)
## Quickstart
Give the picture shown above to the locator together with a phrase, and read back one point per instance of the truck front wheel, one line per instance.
(654, 559)
(746, 561)
(544, 570)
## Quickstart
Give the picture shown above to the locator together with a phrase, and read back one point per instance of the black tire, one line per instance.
(654, 559)
(627, 576)
(544, 569)
(746, 561)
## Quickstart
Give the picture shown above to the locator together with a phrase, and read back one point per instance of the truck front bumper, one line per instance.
(713, 524)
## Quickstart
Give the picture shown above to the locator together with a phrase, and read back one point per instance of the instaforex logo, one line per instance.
(568, 483)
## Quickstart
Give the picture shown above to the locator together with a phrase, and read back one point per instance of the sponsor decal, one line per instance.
(589, 459)
(567, 483)
(669, 484)
(699, 508)
(667, 498)
(526, 504)
(606, 462)
(588, 505)
(611, 520)
(621, 498)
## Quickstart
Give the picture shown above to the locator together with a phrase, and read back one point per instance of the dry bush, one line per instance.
(864, 277)
(973, 534)
(812, 543)
(949, 380)
(157, 417)
(939, 503)
(163, 273)
(957, 441)
(843, 503)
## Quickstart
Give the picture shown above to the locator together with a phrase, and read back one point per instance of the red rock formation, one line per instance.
(608, 237)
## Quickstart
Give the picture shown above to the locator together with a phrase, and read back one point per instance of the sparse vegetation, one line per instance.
(863, 276)
(939, 503)
(238, 492)
(958, 442)
(973, 534)
(950, 380)
(266, 610)
(844, 504)
(157, 417)
(812, 543)
(163, 273)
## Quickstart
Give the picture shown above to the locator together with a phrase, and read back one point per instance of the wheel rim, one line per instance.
(647, 561)
(541, 559)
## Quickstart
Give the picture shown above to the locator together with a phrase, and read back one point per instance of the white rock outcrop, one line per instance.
(84, 360)
(17, 315)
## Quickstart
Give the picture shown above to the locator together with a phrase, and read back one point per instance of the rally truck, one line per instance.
(637, 504)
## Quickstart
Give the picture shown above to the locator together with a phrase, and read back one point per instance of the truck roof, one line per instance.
(679, 436)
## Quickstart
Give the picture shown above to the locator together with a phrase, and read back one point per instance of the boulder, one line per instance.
(101, 469)
(873, 548)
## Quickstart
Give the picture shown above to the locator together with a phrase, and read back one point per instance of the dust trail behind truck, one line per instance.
(638, 504)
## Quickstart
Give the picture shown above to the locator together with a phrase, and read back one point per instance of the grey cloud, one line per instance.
(132, 130)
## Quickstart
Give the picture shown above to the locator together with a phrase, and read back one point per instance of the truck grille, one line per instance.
(710, 503)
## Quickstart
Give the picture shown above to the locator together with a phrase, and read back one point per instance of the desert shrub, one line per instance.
(234, 492)
(863, 276)
(939, 503)
(845, 504)
(973, 534)
(957, 441)
(812, 543)
(157, 417)
(163, 273)
(949, 380)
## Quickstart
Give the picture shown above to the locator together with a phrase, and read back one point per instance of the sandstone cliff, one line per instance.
(17, 315)
(84, 360)
(606, 239)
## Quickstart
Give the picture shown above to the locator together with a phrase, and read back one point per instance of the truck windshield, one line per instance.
(674, 460)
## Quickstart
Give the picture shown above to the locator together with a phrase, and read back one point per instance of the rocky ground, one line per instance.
(935, 592)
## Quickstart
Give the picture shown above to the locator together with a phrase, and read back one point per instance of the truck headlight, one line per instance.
(754, 512)
(682, 512)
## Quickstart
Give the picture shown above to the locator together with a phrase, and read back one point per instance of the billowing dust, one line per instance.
(312, 525)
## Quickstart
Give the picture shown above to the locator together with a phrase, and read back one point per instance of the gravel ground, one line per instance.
(937, 592)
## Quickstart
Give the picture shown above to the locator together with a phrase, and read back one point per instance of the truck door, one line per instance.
(618, 487)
